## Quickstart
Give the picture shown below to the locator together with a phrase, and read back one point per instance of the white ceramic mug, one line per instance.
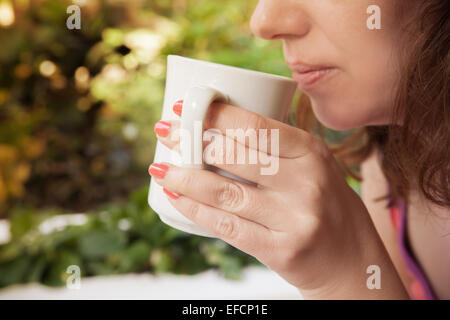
(199, 83)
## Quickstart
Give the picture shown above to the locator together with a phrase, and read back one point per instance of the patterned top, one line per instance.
(420, 288)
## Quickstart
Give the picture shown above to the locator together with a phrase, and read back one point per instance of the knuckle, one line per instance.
(255, 121)
(310, 142)
(186, 179)
(260, 122)
(193, 210)
(316, 191)
(271, 254)
(292, 249)
(321, 150)
(230, 196)
(309, 233)
(284, 258)
(290, 255)
(291, 259)
(314, 187)
(226, 227)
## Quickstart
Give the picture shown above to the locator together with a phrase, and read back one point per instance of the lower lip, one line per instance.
(308, 79)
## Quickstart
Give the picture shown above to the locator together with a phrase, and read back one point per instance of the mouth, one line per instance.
(309, 75)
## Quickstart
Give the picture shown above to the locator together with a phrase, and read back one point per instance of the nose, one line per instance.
(275, 19)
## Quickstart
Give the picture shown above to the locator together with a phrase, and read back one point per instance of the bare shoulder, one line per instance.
(374, 186)
(429, 236)
(428, 226)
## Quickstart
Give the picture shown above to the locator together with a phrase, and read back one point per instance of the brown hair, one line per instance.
(416, 153)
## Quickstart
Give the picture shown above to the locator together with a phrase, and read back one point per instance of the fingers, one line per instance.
(231, 156)
(220, 192)
(245, 235)
(249, 164)
(265, 134)
(283, 140)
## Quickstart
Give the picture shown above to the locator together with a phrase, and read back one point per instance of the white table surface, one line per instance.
(257, 283)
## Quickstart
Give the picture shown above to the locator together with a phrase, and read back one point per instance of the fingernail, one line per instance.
(158, 170)
(162, 128)
(177, 107)
(171, 194)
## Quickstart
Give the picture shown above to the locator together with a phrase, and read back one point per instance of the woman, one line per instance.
(305, 222)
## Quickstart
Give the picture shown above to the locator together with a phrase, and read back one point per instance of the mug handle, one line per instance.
(195, 105)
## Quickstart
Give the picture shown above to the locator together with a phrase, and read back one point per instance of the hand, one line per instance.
(303, 221)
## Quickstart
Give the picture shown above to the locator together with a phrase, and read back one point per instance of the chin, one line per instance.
(341, 116)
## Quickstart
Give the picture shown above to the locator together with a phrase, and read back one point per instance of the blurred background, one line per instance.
(77, 109)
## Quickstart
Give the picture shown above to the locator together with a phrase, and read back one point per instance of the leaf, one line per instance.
(161, 260)
(14, 271)
(37, 270)
(98, 244)
(57, 274)
(231, 267)
(135, 258)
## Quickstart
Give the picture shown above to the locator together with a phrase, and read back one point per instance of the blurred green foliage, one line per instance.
(113, 240)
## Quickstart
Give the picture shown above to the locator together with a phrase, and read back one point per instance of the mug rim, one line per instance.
(254, 72)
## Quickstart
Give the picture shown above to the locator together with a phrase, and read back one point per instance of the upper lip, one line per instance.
(301, 67)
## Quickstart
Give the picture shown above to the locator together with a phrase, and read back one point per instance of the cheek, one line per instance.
(361, 99)
(363, 93)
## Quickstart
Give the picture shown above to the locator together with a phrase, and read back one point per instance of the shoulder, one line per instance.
(373, 187)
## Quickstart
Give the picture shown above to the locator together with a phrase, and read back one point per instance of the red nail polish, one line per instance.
(162, 128)
(171, 194)
(177, 107)
(158, 170)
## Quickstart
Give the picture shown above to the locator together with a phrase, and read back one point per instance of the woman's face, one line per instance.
(349, 71)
